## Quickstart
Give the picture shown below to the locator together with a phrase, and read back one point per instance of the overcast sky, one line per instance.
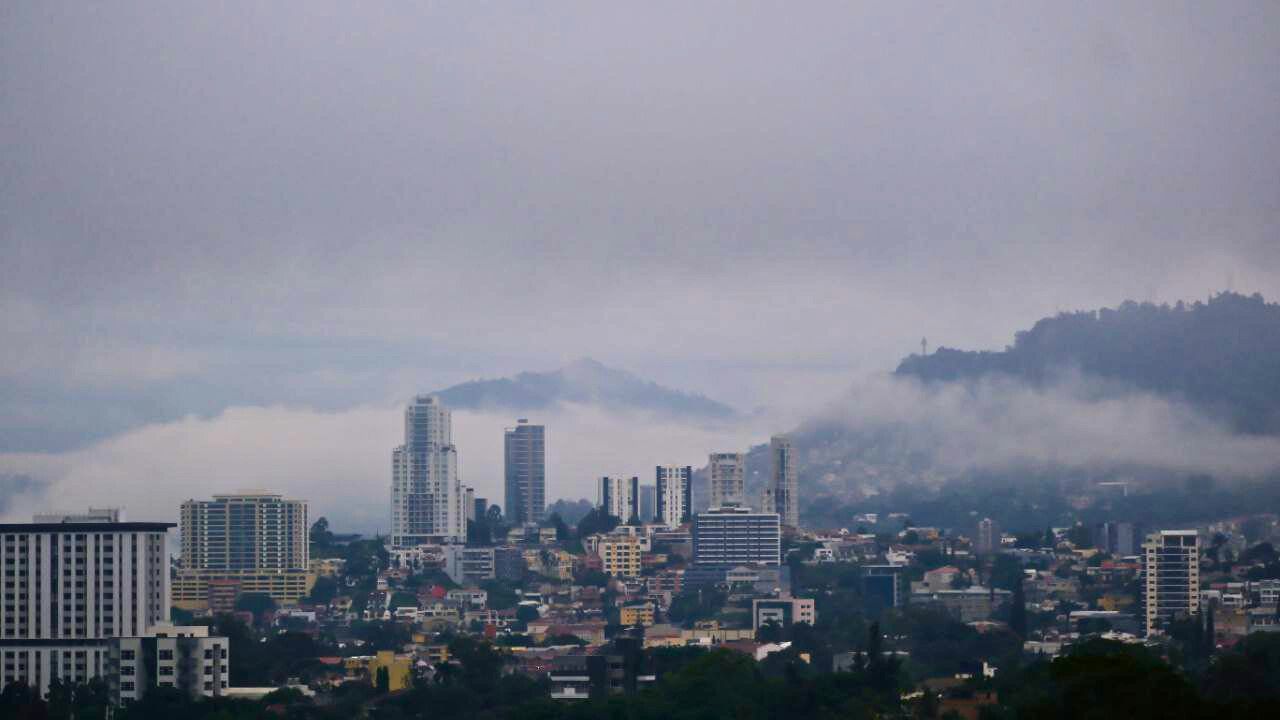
(324, 205)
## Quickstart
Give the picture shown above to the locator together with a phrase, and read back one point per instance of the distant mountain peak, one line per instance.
(584, 381)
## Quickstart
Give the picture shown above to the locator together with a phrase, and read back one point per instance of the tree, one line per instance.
(255, 602)
(595, 522)
(1018, 611)
(383, 680)
(323, 592)
(320, 534)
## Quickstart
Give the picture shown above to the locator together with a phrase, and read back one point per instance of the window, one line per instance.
(126, 669)
(126, 655)
(166, 654)
(126, 686)
(165, 670)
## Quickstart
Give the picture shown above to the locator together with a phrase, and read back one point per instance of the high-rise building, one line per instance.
(1118, 538)
(620, 497)
(728, 473)
(675, 494)
(481, 509)
(987, 538)
(784, 486)
(426, 493)
(648, 503)
(1171, 577)
(255, 541)
(526, 472)
(885, 583)
(736, 536)
(72, 583)
(469, 504)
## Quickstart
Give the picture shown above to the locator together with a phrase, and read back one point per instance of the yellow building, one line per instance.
(365, 667)
(192, 588)
(632, 615)
(620, 556)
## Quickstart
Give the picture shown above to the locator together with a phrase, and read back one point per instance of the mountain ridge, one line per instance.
(585, 381)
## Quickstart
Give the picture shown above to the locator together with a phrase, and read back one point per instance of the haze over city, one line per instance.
(956, 253)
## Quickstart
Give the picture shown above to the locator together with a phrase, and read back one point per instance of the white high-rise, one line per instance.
(426, 492)
(675, 494)
(728, 474)
(1171, 578)
(620, 496)
(72, 583)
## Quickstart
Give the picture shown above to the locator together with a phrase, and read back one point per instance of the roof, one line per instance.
(87, 527)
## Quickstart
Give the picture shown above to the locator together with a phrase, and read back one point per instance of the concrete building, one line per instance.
(399, 669)
(636, 614)
(728, 479)
(674, 489)
(648, 503)
(620, 555)
(736, 536)
(619, 669)
(525, 471)
(1170, 578)
(72, 584)
(885, 583)
(1123, 539)
(620, 497)
(246, 542)
(426, 493)
(782, 611)
(176, 656)
(783, 494)
(473, 565)
(987, 538)
(966, 605)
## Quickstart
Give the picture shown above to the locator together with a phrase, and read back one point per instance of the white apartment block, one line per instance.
(728, 474)
(427, 496)
(620, 496)
(71, 584)
(675, 495)
(176, 656)
(1171, 577)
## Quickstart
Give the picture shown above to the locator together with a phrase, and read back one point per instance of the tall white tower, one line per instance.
(728, 474)
(426, 492)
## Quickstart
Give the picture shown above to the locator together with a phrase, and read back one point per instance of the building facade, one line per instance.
(885, 583)
(648, 503)
(1171, 578)
(675, 495)
(987, 538)
(727, 479)
(784, 489)
(783, 612)
(736, 536)
(250, 542)
(620, 497)
(175, 656)
(526, 472)
(426, 493)
(71, 586)
(620, 555)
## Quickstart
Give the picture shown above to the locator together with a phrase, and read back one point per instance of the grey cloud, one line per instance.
(326, 204)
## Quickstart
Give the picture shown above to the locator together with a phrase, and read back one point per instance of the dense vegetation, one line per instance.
(1220, 355)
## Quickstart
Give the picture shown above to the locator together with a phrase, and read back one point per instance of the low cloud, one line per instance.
(1003, 424)
(341, 461)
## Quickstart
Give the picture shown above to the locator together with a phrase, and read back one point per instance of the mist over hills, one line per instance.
(1222, 355)
(1152, 394)
(587, 382)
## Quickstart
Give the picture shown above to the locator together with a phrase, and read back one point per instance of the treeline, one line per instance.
(1218, 354)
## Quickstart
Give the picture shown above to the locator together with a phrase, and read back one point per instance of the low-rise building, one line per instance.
(175, 656)
(783, 612)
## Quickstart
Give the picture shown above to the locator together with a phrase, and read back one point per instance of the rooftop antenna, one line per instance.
(924, 346)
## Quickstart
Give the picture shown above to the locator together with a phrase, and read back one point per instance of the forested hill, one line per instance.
(1222, 355)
